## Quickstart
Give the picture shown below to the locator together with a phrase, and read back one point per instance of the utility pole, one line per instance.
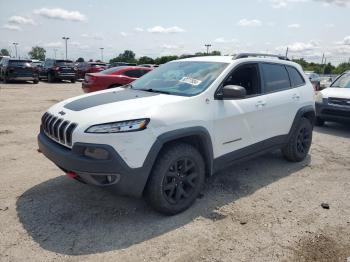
(55, 50)
(322, 59)
(66, 40)
(101, 53)
(15, 44)
(287, 51)
(207, 46)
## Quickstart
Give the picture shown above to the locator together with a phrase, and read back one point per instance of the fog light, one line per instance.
(96, 153)
(109, 179)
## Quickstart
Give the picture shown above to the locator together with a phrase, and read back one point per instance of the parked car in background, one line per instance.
(113, 77)
(325, 82)
(149, 65)
(37, 63)
(89, 67)
(333, 103)
(57, 69)
(315, 80)
(18, 69)
(115, 64)
(2, 56)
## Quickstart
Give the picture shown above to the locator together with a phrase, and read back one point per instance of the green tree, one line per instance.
(165, 59)
(4, 52)
(328, 69)
(341, 68)
(80, 60)
(128, 56)
(37, 52)
(145, 60)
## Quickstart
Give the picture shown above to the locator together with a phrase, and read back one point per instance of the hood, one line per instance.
(112, 105)
(336, 92)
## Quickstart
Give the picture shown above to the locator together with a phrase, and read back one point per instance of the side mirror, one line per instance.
(233, 92)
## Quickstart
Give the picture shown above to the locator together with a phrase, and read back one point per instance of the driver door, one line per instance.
(239, 123)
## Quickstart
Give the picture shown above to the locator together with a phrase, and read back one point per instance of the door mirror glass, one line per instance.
(233, 92)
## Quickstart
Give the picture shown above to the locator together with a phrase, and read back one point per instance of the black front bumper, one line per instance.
(330, 112)
(130, 181)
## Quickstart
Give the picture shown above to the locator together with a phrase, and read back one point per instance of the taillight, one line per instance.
(56, 68)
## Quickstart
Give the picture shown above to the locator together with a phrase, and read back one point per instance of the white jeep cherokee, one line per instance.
(161, 136)
(333, 103)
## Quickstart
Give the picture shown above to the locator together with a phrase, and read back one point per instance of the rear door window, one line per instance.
(275, 77)
(134, 73)
(295, 77)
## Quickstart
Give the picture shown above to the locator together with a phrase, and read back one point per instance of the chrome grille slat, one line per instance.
(55, 128)
(58, 129)
(62, 131)
(52, 123)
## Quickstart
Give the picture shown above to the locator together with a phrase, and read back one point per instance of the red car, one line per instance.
(90, 67)
(113, 77)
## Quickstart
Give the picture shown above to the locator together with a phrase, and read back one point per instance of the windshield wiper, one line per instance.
(155, 91)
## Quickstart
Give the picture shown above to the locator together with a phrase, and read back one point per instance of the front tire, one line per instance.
(72, 80)
(176, 180)
(35, 81)
(300, 142)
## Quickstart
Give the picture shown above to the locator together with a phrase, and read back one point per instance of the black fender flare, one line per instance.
(199, 131)
(308, 110)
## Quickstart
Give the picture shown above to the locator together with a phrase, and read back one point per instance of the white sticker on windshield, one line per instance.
(191, 81)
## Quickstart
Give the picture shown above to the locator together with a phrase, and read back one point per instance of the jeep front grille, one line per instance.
(339, 101)
(58, 129)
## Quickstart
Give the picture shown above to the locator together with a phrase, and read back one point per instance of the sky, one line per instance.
(309, 28)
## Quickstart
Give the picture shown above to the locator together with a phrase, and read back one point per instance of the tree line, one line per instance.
(128, 56)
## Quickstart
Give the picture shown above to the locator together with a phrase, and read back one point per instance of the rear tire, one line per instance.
(4, 80)
(319, 121)
(35, 81)
(300, 142)
(72, 80)
(176, 180)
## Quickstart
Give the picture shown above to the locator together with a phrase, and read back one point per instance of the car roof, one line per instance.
(232, 60)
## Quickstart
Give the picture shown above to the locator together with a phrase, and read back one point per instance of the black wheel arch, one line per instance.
(307, 112)
(198, 137)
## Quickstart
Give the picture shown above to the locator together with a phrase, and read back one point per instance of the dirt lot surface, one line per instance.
(265, 209)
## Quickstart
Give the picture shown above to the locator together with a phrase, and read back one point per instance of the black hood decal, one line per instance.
(106, 98)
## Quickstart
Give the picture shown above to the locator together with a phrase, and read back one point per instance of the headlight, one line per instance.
(319, 97)
(119, 127)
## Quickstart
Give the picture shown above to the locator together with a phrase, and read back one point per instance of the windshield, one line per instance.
(185, 78)
(343, 81)
(63, 63)
(20, 63)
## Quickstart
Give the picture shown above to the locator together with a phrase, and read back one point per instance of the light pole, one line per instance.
(66, 40)
(101, 53)
(55, 50)
(15, 44)
(207, 46)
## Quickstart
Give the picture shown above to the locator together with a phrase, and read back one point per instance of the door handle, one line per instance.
(296, 97)
(260, 104)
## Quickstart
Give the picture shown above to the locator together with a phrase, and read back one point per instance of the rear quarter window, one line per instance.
(295, 77)
(275, 77)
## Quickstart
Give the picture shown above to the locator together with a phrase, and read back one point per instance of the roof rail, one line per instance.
(246, 55)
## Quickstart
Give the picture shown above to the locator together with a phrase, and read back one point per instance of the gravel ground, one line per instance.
(265, 209)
